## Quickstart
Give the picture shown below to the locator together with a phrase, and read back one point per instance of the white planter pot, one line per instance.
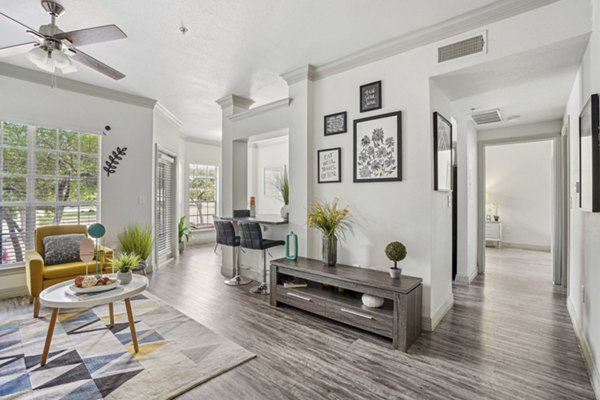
(125, 277)
(395, 272)
(285, 211)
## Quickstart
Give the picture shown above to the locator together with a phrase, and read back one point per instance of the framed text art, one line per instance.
(370, 96)
(329, 165)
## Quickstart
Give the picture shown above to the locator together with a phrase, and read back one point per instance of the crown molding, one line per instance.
(233, 100)
(253, 112)
(471, 20)
(191, 139)
(306, 72)
(168, 115)
(42, 78)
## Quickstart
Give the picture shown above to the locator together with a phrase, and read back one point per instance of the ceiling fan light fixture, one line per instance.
(60, 60)
(69, 69)
(38, 56)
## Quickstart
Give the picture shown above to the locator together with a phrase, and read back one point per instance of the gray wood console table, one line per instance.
(335, 293)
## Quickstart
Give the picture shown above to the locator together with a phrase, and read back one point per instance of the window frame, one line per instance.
(30, 204)
(191, 167)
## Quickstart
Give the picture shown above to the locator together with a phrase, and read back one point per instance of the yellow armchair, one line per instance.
(40, 276)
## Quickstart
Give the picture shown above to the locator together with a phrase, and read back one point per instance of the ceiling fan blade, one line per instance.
(22, 26)
(98, 34)
(94, 64)
(17, 49)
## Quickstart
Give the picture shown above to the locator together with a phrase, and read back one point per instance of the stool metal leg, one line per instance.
(237, 280)
(262, 288)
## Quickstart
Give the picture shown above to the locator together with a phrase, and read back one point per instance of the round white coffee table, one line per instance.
(60, 296)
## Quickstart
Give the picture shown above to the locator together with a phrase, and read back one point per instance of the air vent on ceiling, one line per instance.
(487, 117)
(462, 48)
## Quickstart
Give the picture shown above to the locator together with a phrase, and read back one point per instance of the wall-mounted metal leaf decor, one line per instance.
(113, 160)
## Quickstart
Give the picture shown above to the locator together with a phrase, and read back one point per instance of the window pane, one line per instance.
(45, 189)
(68, 164)
(67, 215)
(14, 188)
(67, 190)
(89, 166)
(45, 163)
(88, 214)
(89, 143)
(15, 135)
(68, 141)
(14, 160)
(88, 190)
(44, 216)
(45, 138)
(13, 235)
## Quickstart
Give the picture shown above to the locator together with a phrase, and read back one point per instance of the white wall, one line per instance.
(263, 154)
(518, 180)
(584, 240)
(126, 196)
(543, 128)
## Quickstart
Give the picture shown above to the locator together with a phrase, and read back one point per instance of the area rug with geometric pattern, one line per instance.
(90, 360)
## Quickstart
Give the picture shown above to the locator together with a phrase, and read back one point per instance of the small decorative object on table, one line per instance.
(184, 233)
(332, 223)
(252, 206)
(125, 263)
(282, 184)
(291, 246)
(372, 301)
(137, 239)
(395, 251)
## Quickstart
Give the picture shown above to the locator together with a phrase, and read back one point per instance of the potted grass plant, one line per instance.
(137, 239)
(125, 263)
(332, 222)
(395, 251)
(184, 233)
(283, 186)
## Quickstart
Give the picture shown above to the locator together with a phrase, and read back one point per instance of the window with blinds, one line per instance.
(47, 177)
(202, 189)
(166, 224)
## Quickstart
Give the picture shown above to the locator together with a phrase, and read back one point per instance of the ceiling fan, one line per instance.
(54, 49)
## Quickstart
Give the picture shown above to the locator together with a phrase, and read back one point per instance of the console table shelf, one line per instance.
(335, 293)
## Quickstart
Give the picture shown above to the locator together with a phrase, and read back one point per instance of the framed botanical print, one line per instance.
(442, 153)
(370, 96)
(589, 156)
(378, 148)
(272, 175)
(329, 165)
(335, 123)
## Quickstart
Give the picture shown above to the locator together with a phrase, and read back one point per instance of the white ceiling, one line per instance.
(533, 85)
(233, 46)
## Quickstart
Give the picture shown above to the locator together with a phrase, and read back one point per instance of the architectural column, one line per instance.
(301, 169)
(232, 184)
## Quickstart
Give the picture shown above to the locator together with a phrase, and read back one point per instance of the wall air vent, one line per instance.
(486, 117)
(466, 47)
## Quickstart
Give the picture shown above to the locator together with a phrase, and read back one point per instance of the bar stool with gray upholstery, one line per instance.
(226, 237)
(251, 238)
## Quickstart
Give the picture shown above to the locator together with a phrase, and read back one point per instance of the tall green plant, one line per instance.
(283, 186)
(184, 231)
(137, 239)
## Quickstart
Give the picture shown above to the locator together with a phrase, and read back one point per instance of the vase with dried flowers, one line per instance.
(332, 222)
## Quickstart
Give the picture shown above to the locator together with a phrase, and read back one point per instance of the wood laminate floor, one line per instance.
(508, 336)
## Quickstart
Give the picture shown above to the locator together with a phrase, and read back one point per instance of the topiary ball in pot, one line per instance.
(395, 251)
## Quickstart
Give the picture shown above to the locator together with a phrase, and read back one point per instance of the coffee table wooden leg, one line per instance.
(131, 325)
(49, 336)
(111, 312)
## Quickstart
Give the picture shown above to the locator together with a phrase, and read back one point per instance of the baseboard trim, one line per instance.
(466, 280)
(523, 246)
(585, 349)
(14, 292)
(430, 323)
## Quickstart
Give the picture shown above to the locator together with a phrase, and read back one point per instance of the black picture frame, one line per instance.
(338, 175)
(589, 155)
(368, 164)
(370, 96)
(442, 153)
(331, 123)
